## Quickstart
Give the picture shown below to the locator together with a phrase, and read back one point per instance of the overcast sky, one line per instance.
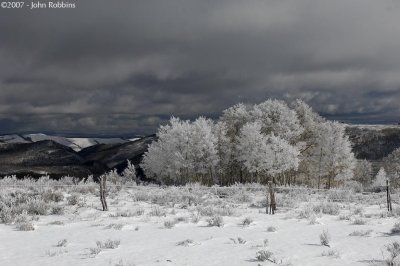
(119, 67)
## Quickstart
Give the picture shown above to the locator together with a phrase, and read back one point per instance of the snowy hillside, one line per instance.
(76, 144)
(373, 142)
(13, 139)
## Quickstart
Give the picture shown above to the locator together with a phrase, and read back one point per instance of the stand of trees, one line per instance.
(392, 167)
(270, 141)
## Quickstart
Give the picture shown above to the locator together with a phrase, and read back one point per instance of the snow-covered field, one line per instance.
(195, 225)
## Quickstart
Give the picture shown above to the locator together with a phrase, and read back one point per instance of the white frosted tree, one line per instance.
(310, 152)
(363, 172)
(129, 173)
(224, 151)
(168, 158)
(276, 117)
(184, 151)
(203, 148)
(234, 118)
(285, 156)
(265, 155)
(336, 158)
(380, 178)
(253, 149)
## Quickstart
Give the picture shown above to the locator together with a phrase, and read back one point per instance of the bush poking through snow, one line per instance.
(246, 222)
(327, 208)
(396, 229)
(359, 210)
(306, 212)
(37, 207)
(394, 251)
(216, 220)
(169, 224)
(108, 244)
(62, 243)
(211, 211)
(324, 238)
(271, 229)
(331, 253)
(115, 226)
(94, 251)
(57, 210)
(27, 226)
(361, 233)
(313, 219)
(346, 217)
(238, 240)
(51, 195)
(195, 218)
(359, 221)
(73, 199)
(186, 243)
(55, 253)
(157, 211)
(264, 255)
(56, 223)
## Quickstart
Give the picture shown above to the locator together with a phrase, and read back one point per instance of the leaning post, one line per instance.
(103, 180)
(388, 198)
(272, 202)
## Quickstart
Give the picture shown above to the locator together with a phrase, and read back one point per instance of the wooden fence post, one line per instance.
(103, 181)
(272, 203)
(388, 198)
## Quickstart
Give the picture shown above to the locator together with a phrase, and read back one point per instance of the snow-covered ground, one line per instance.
(171, 226)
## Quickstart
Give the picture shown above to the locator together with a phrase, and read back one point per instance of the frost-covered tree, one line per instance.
(234, 118)
(183, 152)
(203, 147)
(310, 152)
(363, 172)
(129, 173)
(336, 157)
(380, 179)
(265, 155)
(167, 159)
(276, 117)
(224, 150)
(253, 146)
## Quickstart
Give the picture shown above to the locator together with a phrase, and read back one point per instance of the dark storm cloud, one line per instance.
(119, 67)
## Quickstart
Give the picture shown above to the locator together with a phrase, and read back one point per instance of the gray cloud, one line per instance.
(124, 67)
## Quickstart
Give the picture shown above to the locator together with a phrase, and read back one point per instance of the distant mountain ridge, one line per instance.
(40, 158)
(373, 142)
(76, 144)
(39, 154)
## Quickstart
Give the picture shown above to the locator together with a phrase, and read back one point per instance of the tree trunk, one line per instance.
(329, 181)
(319, 169)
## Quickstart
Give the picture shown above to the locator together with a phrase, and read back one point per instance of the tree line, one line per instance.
(273, 140)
